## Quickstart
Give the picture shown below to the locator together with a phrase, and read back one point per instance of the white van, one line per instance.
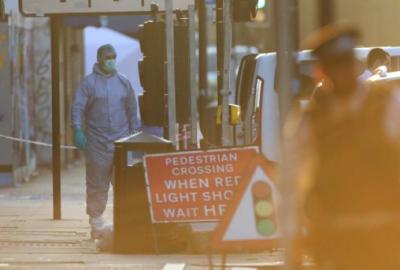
(257, 96)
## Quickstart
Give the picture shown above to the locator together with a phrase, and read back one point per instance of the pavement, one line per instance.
(30, 239)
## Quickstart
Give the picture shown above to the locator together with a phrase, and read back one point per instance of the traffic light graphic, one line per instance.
(264, 211)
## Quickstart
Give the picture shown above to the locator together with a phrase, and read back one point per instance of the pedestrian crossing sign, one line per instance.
(251, 220)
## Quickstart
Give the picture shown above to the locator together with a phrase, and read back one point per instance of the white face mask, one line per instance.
(110, 65)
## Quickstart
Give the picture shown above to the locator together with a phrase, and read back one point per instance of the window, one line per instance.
(258, 94)
(257, 110)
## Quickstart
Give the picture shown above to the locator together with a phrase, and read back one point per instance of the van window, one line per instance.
(244, 82)
(304, 83)
(259, 91)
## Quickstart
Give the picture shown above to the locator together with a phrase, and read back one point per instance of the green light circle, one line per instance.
(264, 208)
(266, 227)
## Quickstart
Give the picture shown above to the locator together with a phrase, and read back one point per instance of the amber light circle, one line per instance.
(264, 208)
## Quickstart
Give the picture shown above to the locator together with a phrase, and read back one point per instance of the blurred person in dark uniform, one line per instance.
(348, 159)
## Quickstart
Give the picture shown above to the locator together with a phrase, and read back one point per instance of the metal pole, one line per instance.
(286, 59)
(169, 24)
(203, 40)
(203, 65)
(296, 24)
(55, 81)
(224, 93)
(193, 72)
(220, 59)
(326, 12)
(220, 44)
(118, 215)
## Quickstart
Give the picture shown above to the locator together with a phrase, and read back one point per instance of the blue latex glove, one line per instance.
(79, 138)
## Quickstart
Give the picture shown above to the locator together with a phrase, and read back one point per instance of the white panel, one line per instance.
(47, 7)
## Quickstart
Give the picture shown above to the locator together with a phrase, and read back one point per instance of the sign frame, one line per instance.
(148, 189)
(70, 11)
